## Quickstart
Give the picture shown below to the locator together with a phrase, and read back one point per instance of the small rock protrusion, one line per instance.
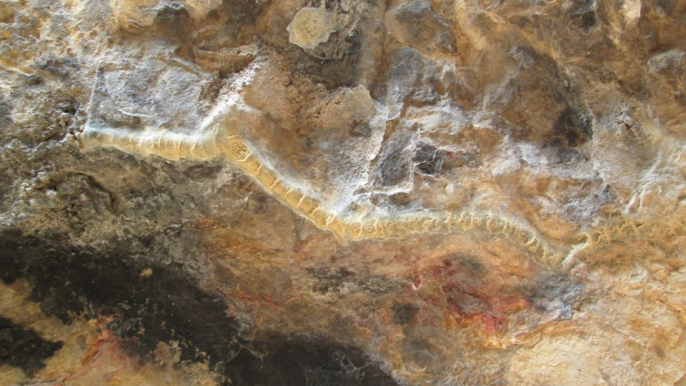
(310, 27)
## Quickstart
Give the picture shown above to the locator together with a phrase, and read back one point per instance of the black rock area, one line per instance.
(161, 307)
(283, 361)
(24, 348)
(150, 303)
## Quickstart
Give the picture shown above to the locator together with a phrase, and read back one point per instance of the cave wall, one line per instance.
(343, 192)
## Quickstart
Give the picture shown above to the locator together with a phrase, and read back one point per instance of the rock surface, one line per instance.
(342, 192)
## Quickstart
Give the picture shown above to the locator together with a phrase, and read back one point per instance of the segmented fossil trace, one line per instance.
(218, 136)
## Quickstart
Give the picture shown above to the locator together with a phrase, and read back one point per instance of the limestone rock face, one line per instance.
(343, 192)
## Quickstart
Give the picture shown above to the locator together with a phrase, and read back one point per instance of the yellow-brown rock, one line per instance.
(343, 192)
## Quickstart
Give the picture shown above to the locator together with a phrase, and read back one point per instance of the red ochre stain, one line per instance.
(490, 312)
(468, 295)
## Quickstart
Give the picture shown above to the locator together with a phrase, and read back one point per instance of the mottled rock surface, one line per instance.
(344, 192)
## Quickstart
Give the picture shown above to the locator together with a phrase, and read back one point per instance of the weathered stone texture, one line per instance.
(348, 192)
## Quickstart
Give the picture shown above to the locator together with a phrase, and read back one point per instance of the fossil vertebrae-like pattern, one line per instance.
(174, 146)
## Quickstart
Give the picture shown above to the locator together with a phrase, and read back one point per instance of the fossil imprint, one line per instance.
(174, 146)
(219, 136)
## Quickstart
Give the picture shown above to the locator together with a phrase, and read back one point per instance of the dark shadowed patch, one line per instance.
(202, 171)
(666, 6)
(582, 15)
(394, 163)
(394, 168)
(242, 13)
(572, 127)
(404, 313)
(10, 260)
(361, 129)
(540, 79)
(5, 113)
(428, 159)
(70, 107)
(585, 21)
(302, 361)
(59, 66)
(158, 306)
(404, 74)
(24, 348)
(149, 303)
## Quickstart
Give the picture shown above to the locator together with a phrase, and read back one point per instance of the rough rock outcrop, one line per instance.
(348, 192)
